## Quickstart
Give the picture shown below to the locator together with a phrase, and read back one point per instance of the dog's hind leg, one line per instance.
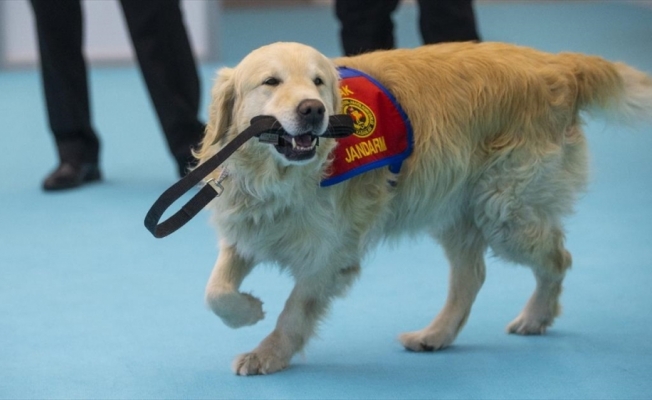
(549, 261)
(520, 205)
(465, 249)
(530, 233)
(307, 303)
(222, 296)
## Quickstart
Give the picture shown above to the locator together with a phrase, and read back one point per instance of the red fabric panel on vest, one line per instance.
(383, 135)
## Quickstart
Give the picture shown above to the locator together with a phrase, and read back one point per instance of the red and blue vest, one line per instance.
(383, 134)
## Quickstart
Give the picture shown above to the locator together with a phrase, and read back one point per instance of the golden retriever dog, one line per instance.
(499, 158)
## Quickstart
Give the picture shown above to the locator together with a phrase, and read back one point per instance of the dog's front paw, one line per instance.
(426, 340)
(236, 309)
(527, 324)
(258, 363)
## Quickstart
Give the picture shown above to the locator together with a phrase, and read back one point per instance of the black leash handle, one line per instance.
(207, 193)
(339, 126)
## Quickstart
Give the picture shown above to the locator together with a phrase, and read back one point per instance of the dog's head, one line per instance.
(293, 83)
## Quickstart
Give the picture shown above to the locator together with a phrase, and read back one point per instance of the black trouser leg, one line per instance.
(365, 25)
(447, 21)
(168, 67)
(63, 70)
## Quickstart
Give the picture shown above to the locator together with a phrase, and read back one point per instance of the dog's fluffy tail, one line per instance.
(616, 91)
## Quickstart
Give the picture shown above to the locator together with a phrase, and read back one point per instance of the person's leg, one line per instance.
(166, 60)
(365, 25)
(447, 21)
(63, 70)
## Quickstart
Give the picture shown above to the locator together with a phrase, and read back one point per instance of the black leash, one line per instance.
(267, 129)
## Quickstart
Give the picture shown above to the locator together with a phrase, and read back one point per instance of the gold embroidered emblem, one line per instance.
(364, 120)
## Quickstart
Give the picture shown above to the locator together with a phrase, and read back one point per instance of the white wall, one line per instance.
(106, 37)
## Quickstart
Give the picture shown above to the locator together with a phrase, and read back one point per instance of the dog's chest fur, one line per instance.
(297, 228)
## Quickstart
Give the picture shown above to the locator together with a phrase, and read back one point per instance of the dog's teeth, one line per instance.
(299, 147)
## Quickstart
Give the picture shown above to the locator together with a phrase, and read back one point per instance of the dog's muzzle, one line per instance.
(310, 115)
(304, 146)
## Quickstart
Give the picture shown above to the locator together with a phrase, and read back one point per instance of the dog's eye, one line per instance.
(318, 81)
(272, 81)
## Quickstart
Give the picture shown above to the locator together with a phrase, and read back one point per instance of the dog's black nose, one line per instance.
(311, 111)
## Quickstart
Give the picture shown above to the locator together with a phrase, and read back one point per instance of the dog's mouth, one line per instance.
(299, 147)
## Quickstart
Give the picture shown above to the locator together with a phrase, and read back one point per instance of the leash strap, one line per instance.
(265, 127)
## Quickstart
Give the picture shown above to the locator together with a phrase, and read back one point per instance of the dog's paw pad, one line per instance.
(237, 309)
(527, 325)
(421, 341)
(257, 364)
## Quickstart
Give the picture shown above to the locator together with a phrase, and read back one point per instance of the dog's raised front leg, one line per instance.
(464, 248)
(234, 308)
(307, 303)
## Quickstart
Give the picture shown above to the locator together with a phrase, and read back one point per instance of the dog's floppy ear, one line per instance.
(335, 88)
(220, 113)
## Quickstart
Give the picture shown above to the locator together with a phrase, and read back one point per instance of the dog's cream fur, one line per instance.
(499, 158)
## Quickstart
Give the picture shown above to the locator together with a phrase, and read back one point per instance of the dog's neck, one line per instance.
(265, 178)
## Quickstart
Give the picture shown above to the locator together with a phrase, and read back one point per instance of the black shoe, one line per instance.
(68, 176)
